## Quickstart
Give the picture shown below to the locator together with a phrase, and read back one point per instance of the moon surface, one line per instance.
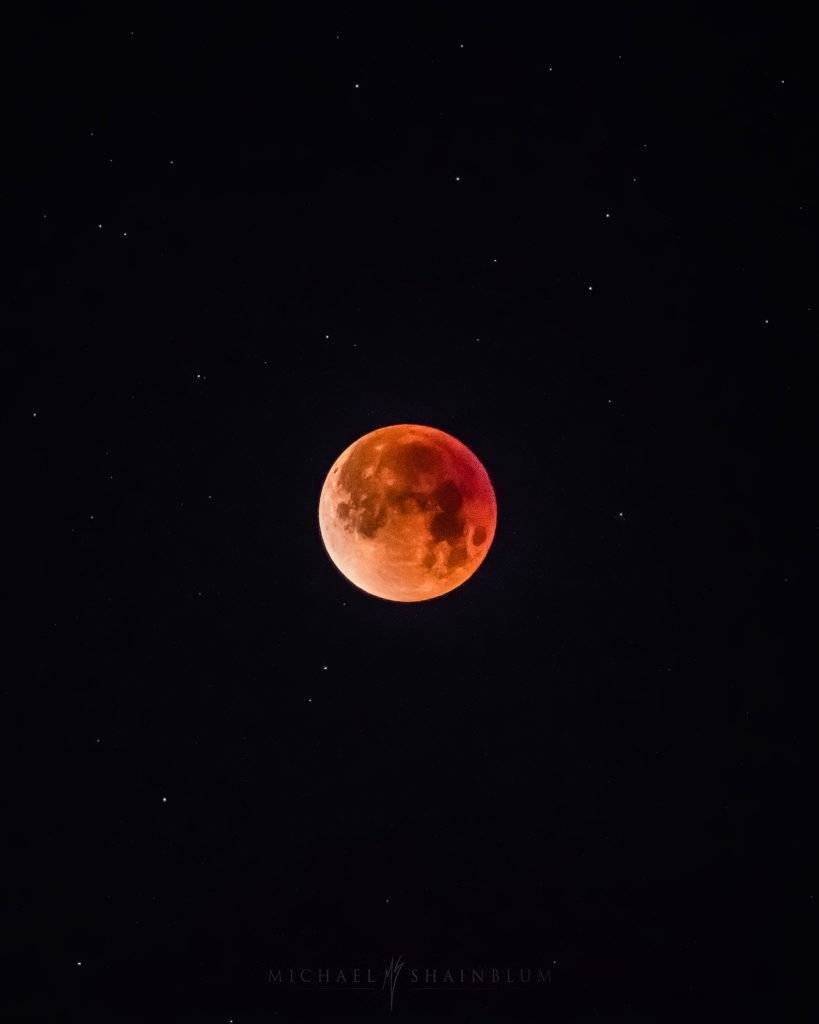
(407, 512)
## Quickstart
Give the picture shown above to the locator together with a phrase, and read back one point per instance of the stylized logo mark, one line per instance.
(391, 975)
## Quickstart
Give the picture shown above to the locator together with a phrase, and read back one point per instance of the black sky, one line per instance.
(584, 245)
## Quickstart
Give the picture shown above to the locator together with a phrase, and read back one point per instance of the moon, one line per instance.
(407, 513)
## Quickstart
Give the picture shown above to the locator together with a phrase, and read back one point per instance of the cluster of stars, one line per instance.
(357, 85)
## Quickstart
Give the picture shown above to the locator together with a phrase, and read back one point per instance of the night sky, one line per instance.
(583, 244)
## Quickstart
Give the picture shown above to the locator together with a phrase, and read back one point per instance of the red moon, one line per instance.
(407, 513)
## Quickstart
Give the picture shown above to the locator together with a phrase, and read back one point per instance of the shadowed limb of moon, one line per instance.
(407, 512)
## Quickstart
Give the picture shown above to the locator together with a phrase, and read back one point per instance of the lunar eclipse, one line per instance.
(407, 513)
